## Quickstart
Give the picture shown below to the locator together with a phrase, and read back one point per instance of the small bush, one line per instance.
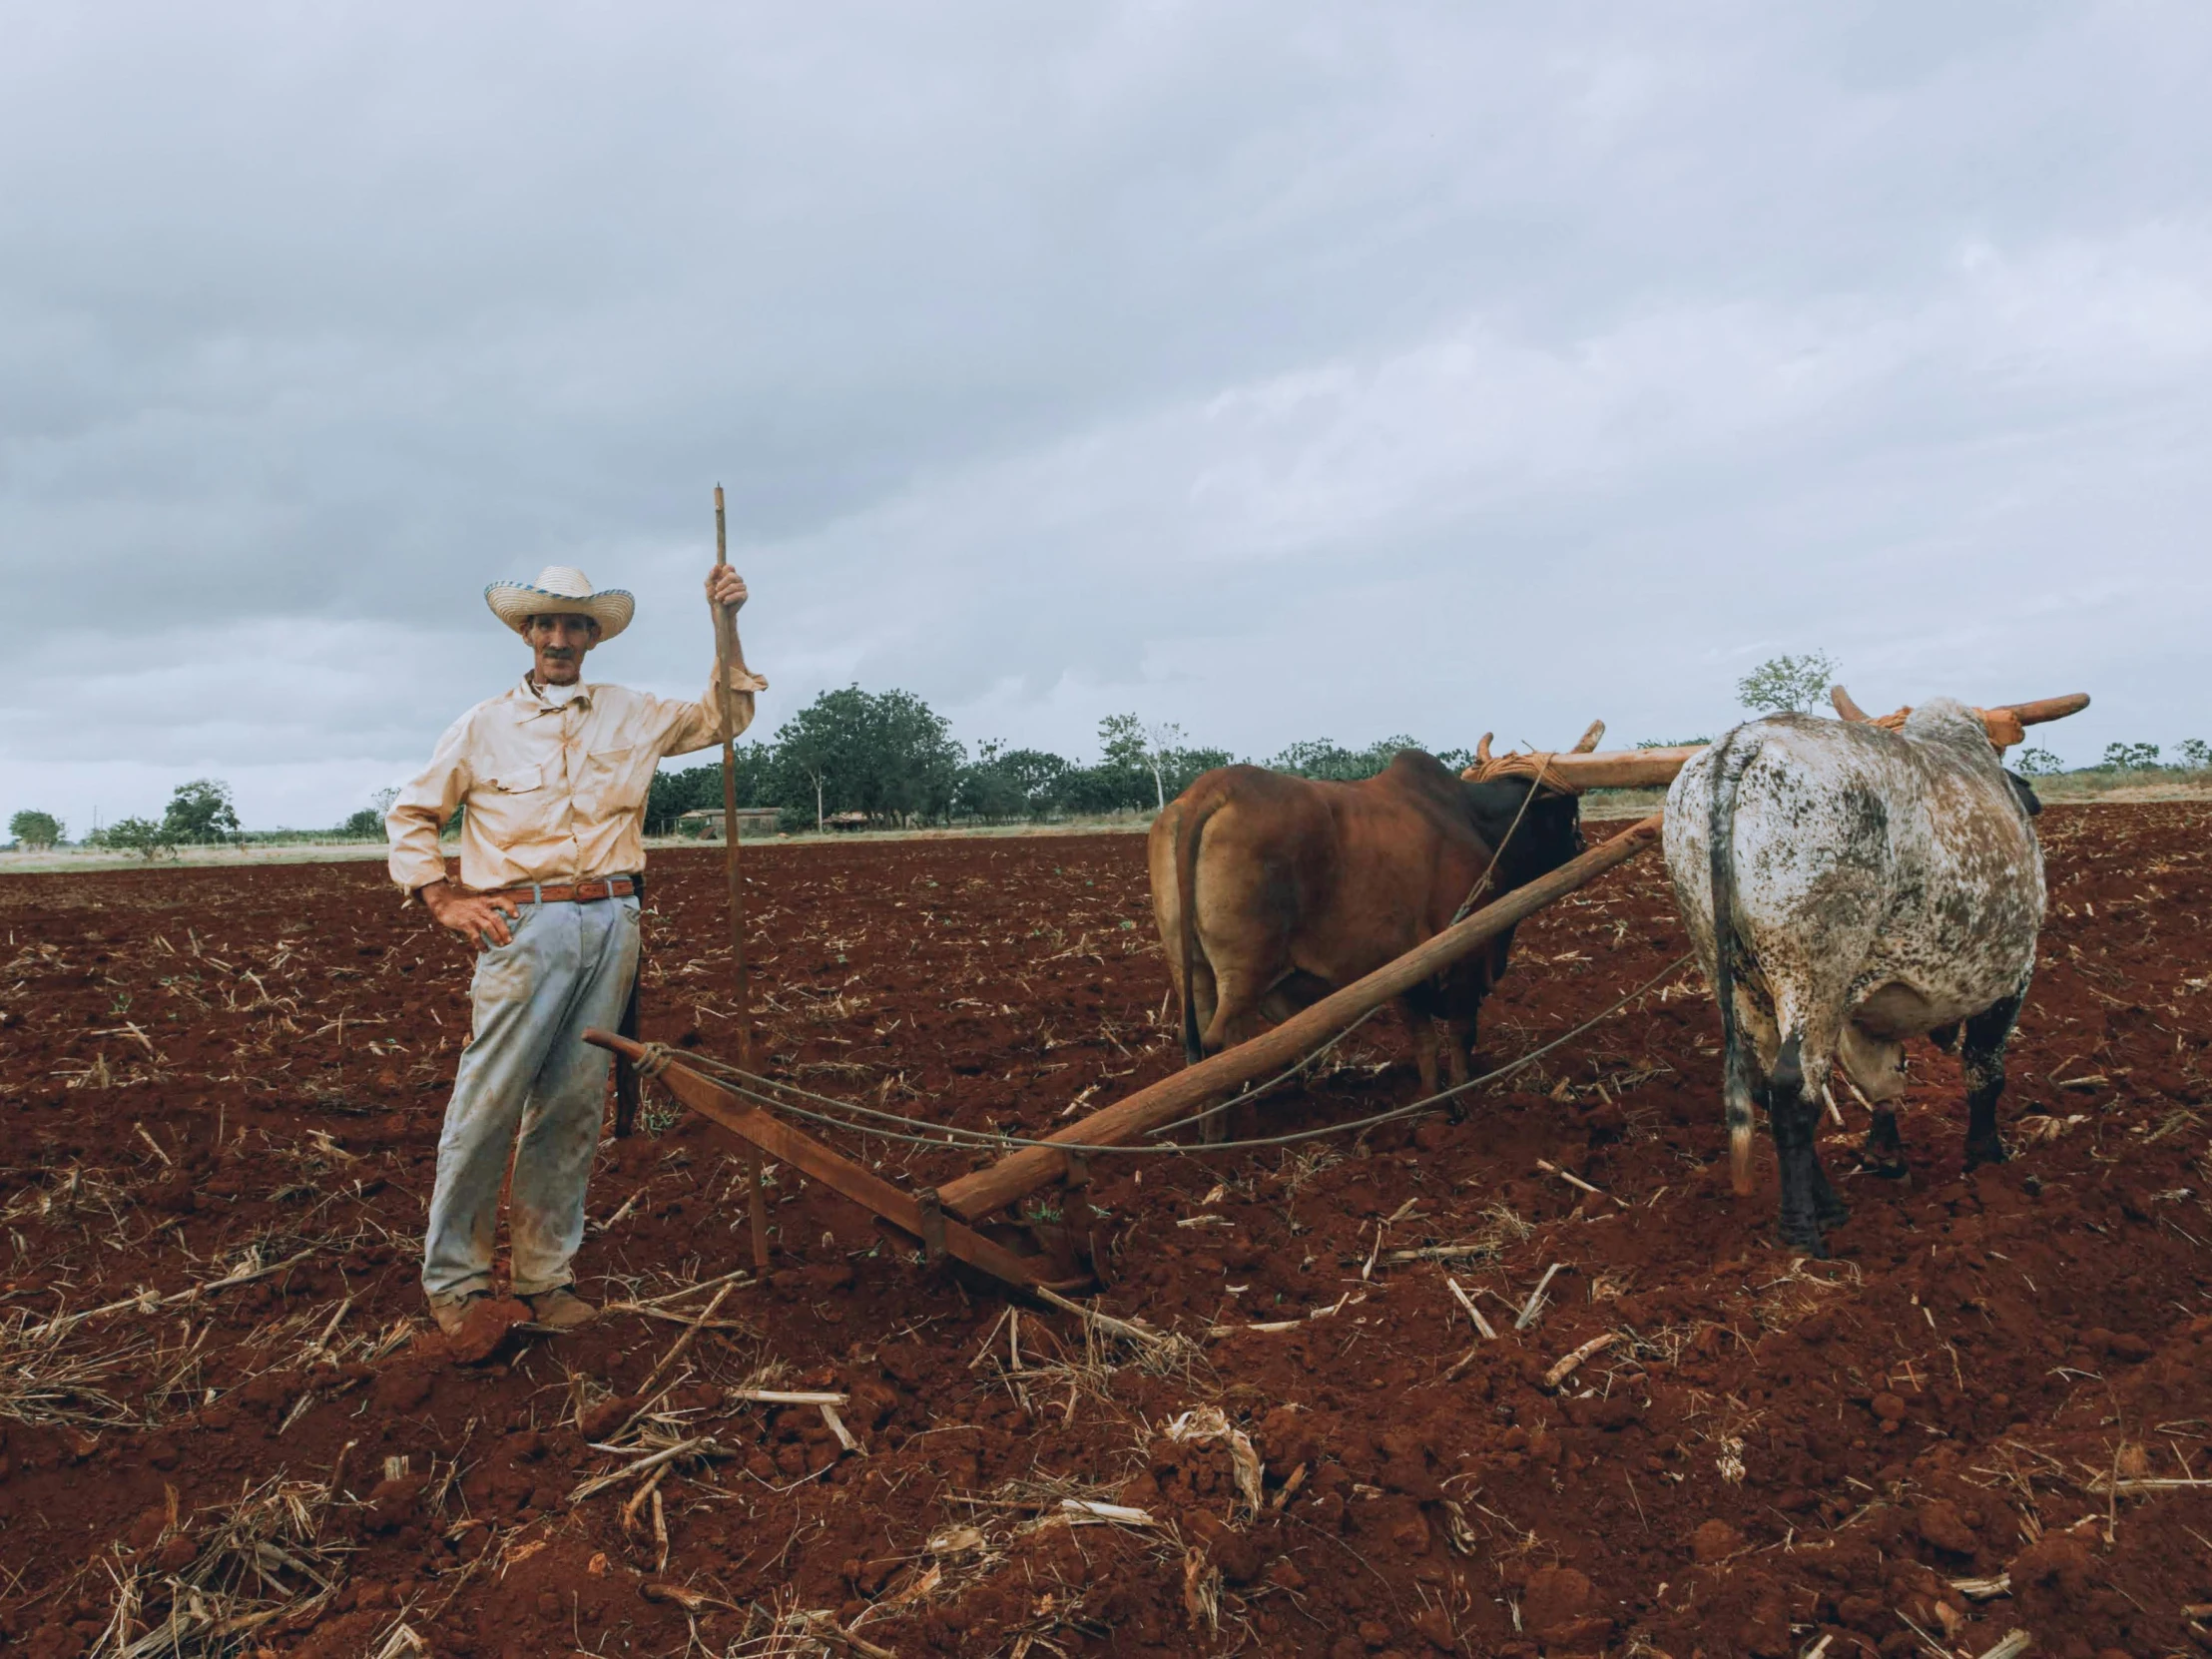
(2038, 762)
(2131, 756)
(141, 836)
(1787, 683)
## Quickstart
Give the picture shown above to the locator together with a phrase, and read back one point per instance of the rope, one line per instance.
(1534, 763)
(1483, 882)
(755, 1087)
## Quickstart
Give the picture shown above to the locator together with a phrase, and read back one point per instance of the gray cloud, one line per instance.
(1282, 370)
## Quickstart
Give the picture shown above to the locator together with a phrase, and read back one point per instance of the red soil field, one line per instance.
(1984, 1415)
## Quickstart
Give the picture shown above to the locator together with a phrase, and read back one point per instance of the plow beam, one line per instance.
(1023, 1171)
(916, 1216)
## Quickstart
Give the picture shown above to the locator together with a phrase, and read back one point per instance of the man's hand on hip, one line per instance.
(476, 919)
(725, 587)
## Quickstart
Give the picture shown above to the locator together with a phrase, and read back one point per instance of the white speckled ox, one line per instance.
(1847, 887)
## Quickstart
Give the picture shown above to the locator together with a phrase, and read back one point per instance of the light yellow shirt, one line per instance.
(555, 792)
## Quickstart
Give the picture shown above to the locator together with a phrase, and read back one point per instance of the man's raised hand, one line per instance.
(726, 587)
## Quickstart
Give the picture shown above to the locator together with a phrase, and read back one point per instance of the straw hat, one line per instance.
(560, 590)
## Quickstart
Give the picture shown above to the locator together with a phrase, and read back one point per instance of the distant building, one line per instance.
(753, 823)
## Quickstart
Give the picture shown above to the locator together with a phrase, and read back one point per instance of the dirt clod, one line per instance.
(2052, 1575)
(1715, 1540)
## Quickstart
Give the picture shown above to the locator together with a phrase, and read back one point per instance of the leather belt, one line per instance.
(571, 892)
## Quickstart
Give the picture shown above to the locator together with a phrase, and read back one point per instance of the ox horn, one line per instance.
(2046, 709)
(1482, 749)
(1844, 707)
(1588, 740)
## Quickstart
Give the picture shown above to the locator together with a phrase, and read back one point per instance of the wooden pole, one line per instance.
(1023, 1171)
(730, 654)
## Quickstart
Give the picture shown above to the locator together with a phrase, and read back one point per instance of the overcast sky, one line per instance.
(1282, 370)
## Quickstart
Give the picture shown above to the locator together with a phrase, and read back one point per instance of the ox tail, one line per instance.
(1187, 832)
(1734, 754)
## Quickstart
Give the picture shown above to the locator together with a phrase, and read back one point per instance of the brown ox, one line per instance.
(1297, 887)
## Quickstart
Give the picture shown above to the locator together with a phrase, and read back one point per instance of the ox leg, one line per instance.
(1235, 1019)
(1981, 1057)
(1882, 1151)
(1205, 1003)
(1809, 1203)
(1422, 1029)
(1458, 1057)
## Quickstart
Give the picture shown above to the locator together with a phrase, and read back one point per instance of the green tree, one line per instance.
(2195, 753)
(35, 829)
(1320, 758)
(367, 825)
(200, 810)
(890, 755)
(1787, 683)
(1181, 767)
(1133, 745)
(1001, 783)
(2038, 762)
(699, 789)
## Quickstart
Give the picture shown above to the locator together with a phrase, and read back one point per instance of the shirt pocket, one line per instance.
(615, 780)
(516, 779)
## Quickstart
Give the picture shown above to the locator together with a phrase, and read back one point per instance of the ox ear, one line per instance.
(1588, 742)
(1844, 707)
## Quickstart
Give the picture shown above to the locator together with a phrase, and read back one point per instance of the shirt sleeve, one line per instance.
(691, 726)
(425, 804)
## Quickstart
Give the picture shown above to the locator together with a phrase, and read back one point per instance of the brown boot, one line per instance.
(475, 1326)
(453, 1317)
(560, 1310)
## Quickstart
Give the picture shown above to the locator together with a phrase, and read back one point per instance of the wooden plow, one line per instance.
(956, 1220)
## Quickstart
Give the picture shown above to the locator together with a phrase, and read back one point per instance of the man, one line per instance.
(553, 776)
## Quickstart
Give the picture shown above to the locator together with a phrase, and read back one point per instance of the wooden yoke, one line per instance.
(2008, 723)
(1580, 767)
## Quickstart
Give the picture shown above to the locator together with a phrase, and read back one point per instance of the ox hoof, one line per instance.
(1833, 1212)
(1808, 1243)
(1887, 1168)
(1991, 1151)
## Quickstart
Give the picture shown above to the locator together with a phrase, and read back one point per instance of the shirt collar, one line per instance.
(535, 702)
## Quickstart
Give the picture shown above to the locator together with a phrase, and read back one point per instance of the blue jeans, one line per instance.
(526, 1069)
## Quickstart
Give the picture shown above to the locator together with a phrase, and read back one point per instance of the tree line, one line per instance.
(888, 757)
